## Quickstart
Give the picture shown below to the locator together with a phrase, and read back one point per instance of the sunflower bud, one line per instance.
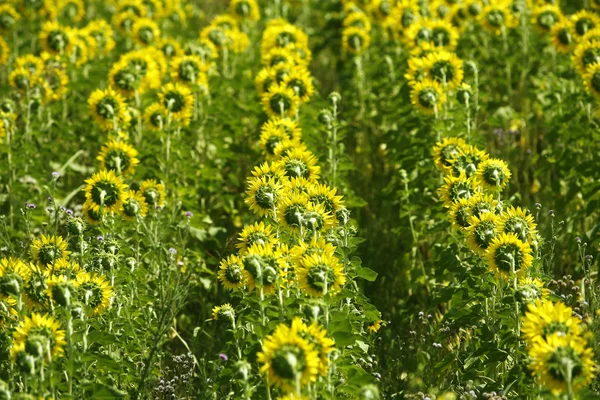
(335, 98)
(62, 295)
(25, 363)
(76, 226)
(10, 285)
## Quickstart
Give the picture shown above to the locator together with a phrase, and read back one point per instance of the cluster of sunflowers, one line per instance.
(39, 294)
(291, 254)
(508, 240)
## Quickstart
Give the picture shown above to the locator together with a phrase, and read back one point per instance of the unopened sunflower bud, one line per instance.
(325, 117)
(335, 98)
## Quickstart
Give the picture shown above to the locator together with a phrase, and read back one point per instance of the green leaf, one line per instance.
(366, 273)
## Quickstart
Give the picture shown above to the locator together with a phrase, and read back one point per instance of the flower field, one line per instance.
(299, 199)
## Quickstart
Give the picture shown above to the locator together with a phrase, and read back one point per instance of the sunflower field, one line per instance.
(299, 199)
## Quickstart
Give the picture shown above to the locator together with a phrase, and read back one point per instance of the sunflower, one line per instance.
(318, 246)
(145, 31)
(245, 10)
(269, 170)
(402, 16)
(92, 216)
(179, 102)
(355, 40)
(497, 17)
(531, 289)
(439, 33)
(119, 157)
(298, 185)
(447, 149)
(263, 195)
(467, 161)
(459, 214)
(134, 6)
(281, 55)
(39, 336)
(291, 210)
(49, 249)
(326, 196)
(561, 36)
(481, 203)
(14, 273)
(35, 65)
(95, 292)
(357, 20)
(270, 137)
(72, 11)
(282, 35)
(108, 109)
(102, 35)
(62, 267)
(8, 17)
(4, 51)
(416, 70)
(190, 70)
(170, 47)
(444, 67)
(145, 65)
(61, 290)
(300, 81)
(507, 253)
(262, 266)
(288, 359)
(223, 312)
(22, 80)
(231, 272)
(126, 79)
(264, 79)
(481, 231)
(316, 219)
(8, 311)
(280, 101)
(493, 174)
(586, 54)
(464, 94)
(285, 147)
(205, 49)
(520, 222)
(456, 188)
(300, 163)
(106, 191)
(584, 21)
(320, 274)
(559, 358)
(427, 96)
(155, 117)
(545, 17)
(317, 336)
(260, 233)
(55, 38)
(57, 80)
(154, 193)
(591, 78)
(134, 205)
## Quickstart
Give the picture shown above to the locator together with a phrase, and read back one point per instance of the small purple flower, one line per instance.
(551, 213)
(173, 250)
(56, 175)
(578, 239)
(31, 206)
(189, 214)
(538, 205)
(100, 238)
(69, 211)
(223, 357)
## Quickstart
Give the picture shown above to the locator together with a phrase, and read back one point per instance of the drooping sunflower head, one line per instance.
(14, 273)
(546, 16)
(444, 67)
(291, 210)
(531, 289)
(591, 78)
(280, 101)
(586, 54)
(95, 292)
(316, 219)
(287, 358)
(456, 188)
(300, 81)
(481, 231)
(102, 34)
(355, 40)
(520, 222)
(8, 17)
(440, 33)
(260, 233)
(61, 290)
(262, 266)
(428, 96)
(300, 163)
(320, 274)
(190, 70)
(245, 10)
(263, 195)
(8, 311)
(446, 150)
(326, 196)
(134, 205)
(562, 36)
(507, 254)
(108, 109)
(270, 137)
(481, 203)
(62, 267)
(584, 21)
(269, 170)
(357, 19)
(497, 17)
(281, 55)
(559, 358)
(316, 245)
(544, 318)
(467, 161)
(459, 214)
(231, 272)
(493, 174)
(317, 336)
(92, 216)
(106, 191)
(178, 101)
(155, 117)
(39, 336)
(49, 249)
(55, 38)
(285, 147)
(145, 31)
(154, 193)
(223, 312)
(119, 157)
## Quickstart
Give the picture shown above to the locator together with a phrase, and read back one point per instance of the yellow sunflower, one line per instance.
(285, 147)
(39, 336)
(439, 33)
(134, 205)
(145, 31)
(562, 36)
(584, 21)
(178, 101)
(282, 55)
(223, 312)
(591, 79)
(269, 170)
(531, 289)
(106, 191)
(497, 17)
(459, 214)
(14, 273)
(102, 35)
(493, 174)
(457, 187)
(280, 101)
(190, 70)
(270, 138)
(446, 150)
(231, 272)
(155, 117)
(586, 54)
(61, 290)
(546, 16)
(263, 195)
(108, 109)
(428, 96)
(481, 231)
(357, 20)
(119, 157)
(317, 336)
(467, 161)
(154, 193)
(259, 232)
(300, 81)
(559, 358)
(289, 360)
(481, 203)
(245, 10)
(355, 40)
(320, 274)
(4, 51)
(262, 266)
(95, 291)
(318, 246)
(300, 163)
(55, 38)
(9, 17)
(91, 215)
(324, 195)
(444, 67)
(49, 249)
(520, 222)
(507, 253)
